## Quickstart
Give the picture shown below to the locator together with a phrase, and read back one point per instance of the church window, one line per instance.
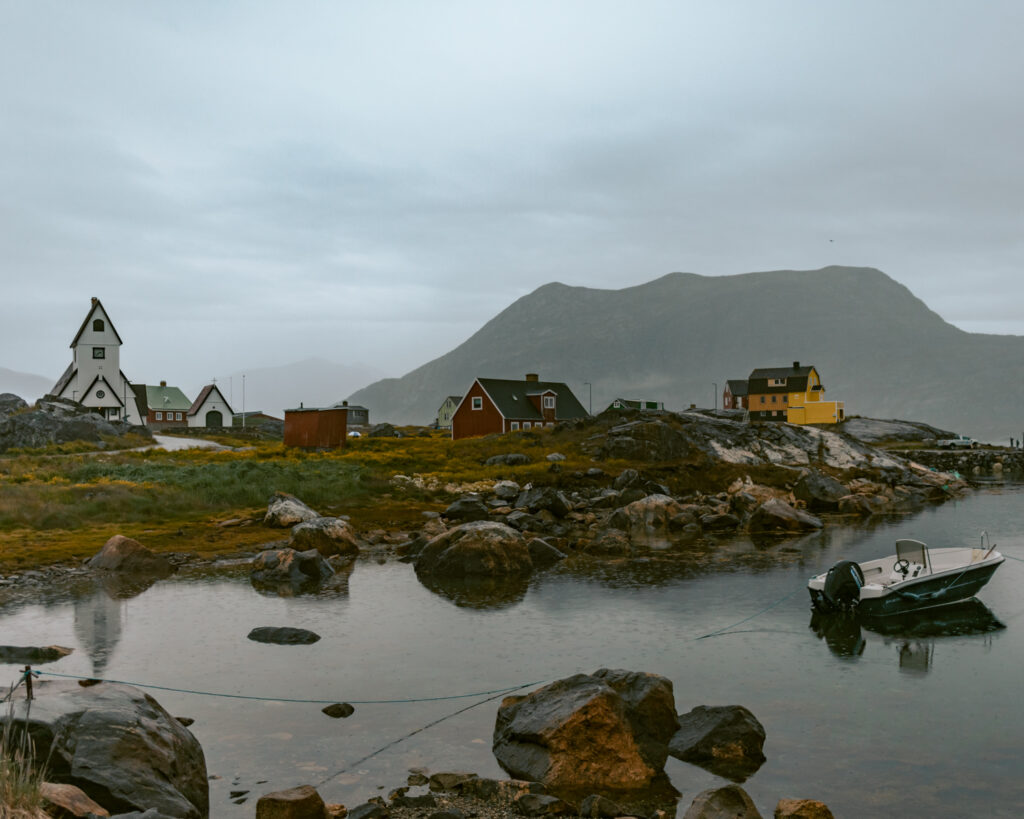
(97, 325)
(99, 352)
(100, 394)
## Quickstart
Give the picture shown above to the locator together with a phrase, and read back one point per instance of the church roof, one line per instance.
(96, 304)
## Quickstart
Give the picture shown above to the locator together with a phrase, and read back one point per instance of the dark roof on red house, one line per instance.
(737, 386)
(512, 399)
(796, 379)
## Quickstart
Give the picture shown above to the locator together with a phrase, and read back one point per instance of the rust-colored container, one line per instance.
(316, 428)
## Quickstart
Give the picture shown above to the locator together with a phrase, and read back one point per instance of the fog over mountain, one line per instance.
(877, 346)
(25, 385)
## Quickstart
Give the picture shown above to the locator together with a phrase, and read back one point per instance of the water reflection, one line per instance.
(847, 635)
(478, 592)
(99, 619)
(334, 586)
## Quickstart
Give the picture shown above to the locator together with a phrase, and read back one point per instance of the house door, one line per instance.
(214, 419)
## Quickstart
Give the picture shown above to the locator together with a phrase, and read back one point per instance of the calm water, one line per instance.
(873, 725)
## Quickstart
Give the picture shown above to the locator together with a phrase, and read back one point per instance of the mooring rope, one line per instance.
(496, 691)
(722, 631)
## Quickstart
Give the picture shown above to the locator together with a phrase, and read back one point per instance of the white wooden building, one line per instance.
(94, 377)
(210, 409)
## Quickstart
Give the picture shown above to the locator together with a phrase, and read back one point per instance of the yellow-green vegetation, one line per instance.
(63, 507)
(20, 779)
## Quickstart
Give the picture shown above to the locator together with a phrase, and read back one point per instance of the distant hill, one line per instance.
(877, 346)
(25, 385)
(313, 382)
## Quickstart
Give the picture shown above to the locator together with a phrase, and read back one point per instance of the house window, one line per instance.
(177, 416)
(478, 402)
(97, 325)
(773, 398)
(514, 425)
(100, 394)
(526, 424)
(99, 352)
(762, 399)
(549, 402)
(159, 416)
(785, 399)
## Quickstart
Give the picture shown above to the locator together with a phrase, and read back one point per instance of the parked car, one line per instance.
(959, 442)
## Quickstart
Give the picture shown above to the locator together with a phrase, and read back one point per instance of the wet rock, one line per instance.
(596, 806)
(544, 498)
(339, 710)
(467, 508)
(127, 556)
(450, 781)
(477, 549)
(418, 776)
(543, 554)
(369, 810)
(802, 809)
(63, 801)
(283, 636)
(648, 519)
(523, 521)
(727, 740)
(743, 504)
(32, 655)
(861, 505)
(610, 543)
(820, 492)
(302, 802)
(540, 804)
(776, 515)
(472, 592)
(718, 522)
(598, 731)
(329, 536)
(119, 746)
(423, 800)
(730, 802)
(284, 511)
(297, 570)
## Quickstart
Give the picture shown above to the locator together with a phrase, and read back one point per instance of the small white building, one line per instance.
(94, 377)
(210, 409)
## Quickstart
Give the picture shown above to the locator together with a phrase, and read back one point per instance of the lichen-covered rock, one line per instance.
(820, 492)
(284, 511)
(645, 441)
(476, 549)
(329, 536)
(600, 731)
(287, 566)
(802, 809)
(128, 556)
(648, 520)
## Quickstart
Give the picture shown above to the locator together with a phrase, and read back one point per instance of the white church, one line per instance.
(94, 379)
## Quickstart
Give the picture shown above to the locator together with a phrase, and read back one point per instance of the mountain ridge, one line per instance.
(878, 347)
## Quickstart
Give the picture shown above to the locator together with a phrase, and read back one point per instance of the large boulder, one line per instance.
(802, 809)
(476, 549)
(730, 802)
(302, 802)
(284, 511)
(645, 441)
(820, 492)
(119, 746)
(289, 567)
(128, 556)
(727, 740)
(467, 508)
(648, 520)
(11, 403)
(329, 536)
(607, 730)
(777, 516)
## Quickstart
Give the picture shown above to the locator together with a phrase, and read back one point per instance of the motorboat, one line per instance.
(913, 579)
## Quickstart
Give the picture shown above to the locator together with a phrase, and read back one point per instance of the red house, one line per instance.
(499, 405)
(735, 396)
(316, 428)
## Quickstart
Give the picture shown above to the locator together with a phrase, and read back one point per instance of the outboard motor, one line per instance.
(842, 585)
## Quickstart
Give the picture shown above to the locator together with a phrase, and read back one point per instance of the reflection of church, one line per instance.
(99, 620)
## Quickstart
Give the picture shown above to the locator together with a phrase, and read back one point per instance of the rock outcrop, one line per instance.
(476, 549)
(607, 730)
(329, 536)
(284, 511)
(119, 746)
(127, 556)
(55, 421)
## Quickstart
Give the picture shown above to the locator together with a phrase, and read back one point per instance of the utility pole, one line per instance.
(715, 385)
(243, 400)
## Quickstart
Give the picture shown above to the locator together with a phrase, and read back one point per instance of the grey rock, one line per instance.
(369, 810)
(384, 430)
(467, 508)
(302, 802)
(596, 806)
(626, 479)
(543, 554)
(729, 802)
(777, 516)
(283, 635)
(476, 549)
(541, 498)
(717, 523)
(284, 511)
(329, 536)
(651, 441)
(821, 493)
(423, 800)
(10, 403)
(450, 781)
(119, 746)
(127, 556)
(555, 456)
(339, 710)
(509, 459)
(727, 740)
(506, 490)
(540, 804)
(287, 567)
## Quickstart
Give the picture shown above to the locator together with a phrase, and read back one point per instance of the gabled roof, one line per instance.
(512, 399)
(64, 380)
(203, 395)
(166, 398)
(99, 380)
(453, 398)
(140, 397)
(796, 379)
(96, 304)
(737, 386)
(637, 404)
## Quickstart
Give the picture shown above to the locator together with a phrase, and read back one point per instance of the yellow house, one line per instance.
(794, 394)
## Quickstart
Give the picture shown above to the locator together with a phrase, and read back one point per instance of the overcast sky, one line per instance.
(246, 184)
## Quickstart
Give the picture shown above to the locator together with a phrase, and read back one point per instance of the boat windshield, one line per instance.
(913, 551)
